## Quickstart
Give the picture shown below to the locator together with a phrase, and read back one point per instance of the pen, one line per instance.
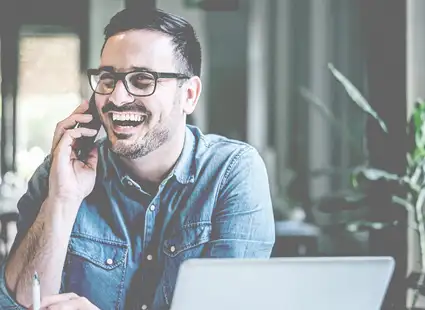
(36, 292)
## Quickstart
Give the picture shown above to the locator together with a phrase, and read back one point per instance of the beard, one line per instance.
(157, 136)
(144, 145)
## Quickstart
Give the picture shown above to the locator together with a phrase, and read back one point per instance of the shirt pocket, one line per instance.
(95, 269)
(185, 243)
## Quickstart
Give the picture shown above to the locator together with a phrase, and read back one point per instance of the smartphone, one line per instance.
(84, 145)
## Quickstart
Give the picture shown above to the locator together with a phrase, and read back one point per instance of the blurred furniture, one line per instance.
(5, 237)
(295, 238)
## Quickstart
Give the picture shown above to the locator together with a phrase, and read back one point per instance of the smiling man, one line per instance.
(112, 232)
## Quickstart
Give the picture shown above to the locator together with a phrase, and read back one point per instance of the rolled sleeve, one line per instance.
(243, 222)
(6, 299)
(28, 207)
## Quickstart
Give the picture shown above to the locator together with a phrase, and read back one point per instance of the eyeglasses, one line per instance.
(139, 83)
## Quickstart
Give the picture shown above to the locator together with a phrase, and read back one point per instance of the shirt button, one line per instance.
(173, 249)
(149, 257)
(152, 207)
(144, 307)
(109, 261)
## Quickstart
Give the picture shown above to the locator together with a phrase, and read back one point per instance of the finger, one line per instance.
(64, 147)
(73, 303)
(73, 119)
(68, 123)
(53, 299)
(82, 107)
(60, 128)
(78, 132)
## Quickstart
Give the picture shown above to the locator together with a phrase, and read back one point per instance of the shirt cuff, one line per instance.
(6, 300)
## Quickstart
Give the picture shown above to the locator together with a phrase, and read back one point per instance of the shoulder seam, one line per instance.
(232, 164)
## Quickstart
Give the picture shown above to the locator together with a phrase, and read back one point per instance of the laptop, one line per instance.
(319, 283)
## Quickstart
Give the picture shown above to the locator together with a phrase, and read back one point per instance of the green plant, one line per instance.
(410, 184)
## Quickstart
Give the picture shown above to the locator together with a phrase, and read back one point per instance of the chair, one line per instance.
(5, 220)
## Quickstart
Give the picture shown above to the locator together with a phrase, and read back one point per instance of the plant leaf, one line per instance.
(420, 204)
(357, 97)
(362, 225)
(403, 202)
(315, 101)
(309, 97)
(373, 174)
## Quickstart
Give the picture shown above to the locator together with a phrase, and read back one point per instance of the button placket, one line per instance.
(150, 222)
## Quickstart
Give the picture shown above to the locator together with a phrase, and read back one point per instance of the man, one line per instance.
(111, 233)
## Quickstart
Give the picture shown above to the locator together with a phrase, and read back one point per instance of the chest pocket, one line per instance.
(95, 269)
(188, 237)
(186, 243)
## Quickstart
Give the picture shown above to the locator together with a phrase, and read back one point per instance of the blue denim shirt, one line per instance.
(126, 246)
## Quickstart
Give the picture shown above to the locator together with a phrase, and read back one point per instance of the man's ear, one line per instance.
(193, 89)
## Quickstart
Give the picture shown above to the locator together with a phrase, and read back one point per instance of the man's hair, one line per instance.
(187, 48)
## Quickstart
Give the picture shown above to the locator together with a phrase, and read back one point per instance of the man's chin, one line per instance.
(122, 149)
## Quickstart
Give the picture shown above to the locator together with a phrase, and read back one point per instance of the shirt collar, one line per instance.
(186, 166)
(184, 169)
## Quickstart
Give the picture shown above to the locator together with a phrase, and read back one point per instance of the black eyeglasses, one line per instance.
(139, 83)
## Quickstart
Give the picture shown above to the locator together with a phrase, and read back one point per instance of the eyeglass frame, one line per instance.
(121, 76)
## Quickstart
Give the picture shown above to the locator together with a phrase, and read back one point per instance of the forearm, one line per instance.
(43, 249)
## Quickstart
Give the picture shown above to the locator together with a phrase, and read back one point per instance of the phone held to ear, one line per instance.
(84, 145)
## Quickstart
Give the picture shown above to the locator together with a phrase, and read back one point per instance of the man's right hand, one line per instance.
(45, 245)
(70, 179)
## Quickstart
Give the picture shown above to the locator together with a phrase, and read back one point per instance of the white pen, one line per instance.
(36, 292)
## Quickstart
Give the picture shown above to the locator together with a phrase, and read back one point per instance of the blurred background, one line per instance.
(267, 81)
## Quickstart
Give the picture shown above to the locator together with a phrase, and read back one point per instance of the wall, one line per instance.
(196, 18)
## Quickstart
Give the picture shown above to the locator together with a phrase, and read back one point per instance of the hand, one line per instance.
(70, 178)
(68, 301)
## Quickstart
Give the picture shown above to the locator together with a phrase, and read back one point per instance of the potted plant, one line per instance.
(408, 188)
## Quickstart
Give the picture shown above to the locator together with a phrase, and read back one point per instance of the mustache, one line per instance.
(128, 107)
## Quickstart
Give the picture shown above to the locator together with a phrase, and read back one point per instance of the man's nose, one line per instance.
(120, 94)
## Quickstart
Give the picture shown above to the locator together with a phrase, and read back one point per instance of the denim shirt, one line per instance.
(126, 246)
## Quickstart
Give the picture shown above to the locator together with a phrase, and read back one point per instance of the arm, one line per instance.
(47, 214)
(43, 249)
(34, 243)
(243, 222)
(28, 207)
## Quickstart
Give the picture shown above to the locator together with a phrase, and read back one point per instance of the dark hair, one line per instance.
(187, 47)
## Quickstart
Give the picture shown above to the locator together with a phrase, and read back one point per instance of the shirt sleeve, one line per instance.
(28, 207)
(243, 222)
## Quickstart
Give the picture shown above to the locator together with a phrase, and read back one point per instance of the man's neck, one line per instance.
(152, 169)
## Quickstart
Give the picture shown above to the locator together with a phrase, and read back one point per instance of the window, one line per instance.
(48, 91)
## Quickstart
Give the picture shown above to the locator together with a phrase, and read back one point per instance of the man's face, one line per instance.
(136, 126)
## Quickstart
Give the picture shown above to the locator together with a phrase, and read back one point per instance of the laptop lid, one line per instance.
(328, 283)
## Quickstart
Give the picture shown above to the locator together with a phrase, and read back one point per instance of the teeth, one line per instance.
(127, 117)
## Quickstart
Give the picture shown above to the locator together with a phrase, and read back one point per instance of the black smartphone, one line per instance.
(84, 145)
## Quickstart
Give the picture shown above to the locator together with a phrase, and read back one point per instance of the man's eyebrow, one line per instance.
(141, 68)
(112, 69)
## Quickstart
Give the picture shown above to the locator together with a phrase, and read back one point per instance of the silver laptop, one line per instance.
(326, 283)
